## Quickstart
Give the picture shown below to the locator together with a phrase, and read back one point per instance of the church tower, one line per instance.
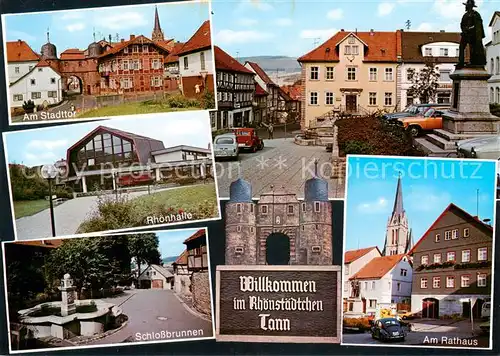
(157, 34)
(398, 238)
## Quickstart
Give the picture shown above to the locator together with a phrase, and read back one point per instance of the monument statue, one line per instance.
(472, 35)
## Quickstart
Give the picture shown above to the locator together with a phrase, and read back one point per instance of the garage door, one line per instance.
(157, 284)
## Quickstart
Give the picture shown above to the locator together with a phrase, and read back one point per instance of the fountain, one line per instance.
(70, 317)
(320, 134)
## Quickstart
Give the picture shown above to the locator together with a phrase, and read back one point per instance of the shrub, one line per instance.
(357, 147)
(180, 101)
(208, 100)
(362, 323)
(29, 106)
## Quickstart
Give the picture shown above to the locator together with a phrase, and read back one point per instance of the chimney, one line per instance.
(132, 37)
(442, 31)
(19, 41)
(342, 30)
(122, 40)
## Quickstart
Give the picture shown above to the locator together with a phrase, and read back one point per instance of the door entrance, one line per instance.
(278, 249)
(430, 308)
(351, 103)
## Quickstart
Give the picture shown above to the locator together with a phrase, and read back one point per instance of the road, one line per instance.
(154, 311)
(281, 162)
(67, 216)
(424, 332)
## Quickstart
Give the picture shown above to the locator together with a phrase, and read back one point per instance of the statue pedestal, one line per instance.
(470, 111)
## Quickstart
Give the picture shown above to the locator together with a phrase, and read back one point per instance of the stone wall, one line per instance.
(182, 284)
(200, 286)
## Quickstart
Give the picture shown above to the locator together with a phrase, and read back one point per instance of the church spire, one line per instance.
(398, 201)
(157, 32)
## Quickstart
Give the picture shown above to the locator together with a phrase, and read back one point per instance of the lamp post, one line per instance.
(49, 172)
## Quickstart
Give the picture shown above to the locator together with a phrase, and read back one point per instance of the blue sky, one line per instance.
(47, 145)
(429, 186)
(294, 27)
(171, 242)
(71, 29)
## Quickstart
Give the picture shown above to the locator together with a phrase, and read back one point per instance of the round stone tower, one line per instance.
(241, 235)
(94, 49)
(48, 50)
(316, 223)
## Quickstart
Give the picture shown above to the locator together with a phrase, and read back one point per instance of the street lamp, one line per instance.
(49, 172)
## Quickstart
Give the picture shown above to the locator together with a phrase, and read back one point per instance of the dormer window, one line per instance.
(351, 40)
(428, 52)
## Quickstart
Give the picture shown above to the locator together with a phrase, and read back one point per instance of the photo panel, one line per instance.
(114, 290)
(72, 65)
(111, 175)
(418, 272)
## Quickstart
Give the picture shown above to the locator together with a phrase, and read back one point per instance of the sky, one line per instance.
(47, 145)
(171, 242)
(429, 186)
(74, 29)
(294, 27)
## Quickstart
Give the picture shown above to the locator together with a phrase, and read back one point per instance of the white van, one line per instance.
(485, 310)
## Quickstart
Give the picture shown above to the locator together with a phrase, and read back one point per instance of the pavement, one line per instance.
(281, 162)
(67, 217)
(427, 332)
(153, 311)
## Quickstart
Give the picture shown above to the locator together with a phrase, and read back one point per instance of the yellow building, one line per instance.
(353, 72)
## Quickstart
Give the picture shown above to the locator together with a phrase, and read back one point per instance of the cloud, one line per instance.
(72, 15)
(380, 205)
(123, 20)
(40, 158)
(252, 5)
(451, 9)
(425, 27)
(322, 34)
(430, 27)
(385, 8)
(20, 35)
(335, 14)
(45, 145)
(74, 27)
(435, 201)
(284, 22)
(231, 37)
(247, 22)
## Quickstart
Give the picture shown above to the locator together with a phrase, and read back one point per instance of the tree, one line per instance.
(144, 249)
(424, 83)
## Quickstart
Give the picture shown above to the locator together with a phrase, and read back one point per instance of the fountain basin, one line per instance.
(96, 316)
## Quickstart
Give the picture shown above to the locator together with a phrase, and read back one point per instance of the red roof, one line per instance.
(293, 91)
(167, 45)
(259, 91)
(173, 57)
(73, 53)
(459, 210)
(135, 40)
(353, 255)
(199, 41)
(381, 47)
(182, 259)
(378, 267)
(260, 72)
(196, 235)
(20, 51)
(223, 61)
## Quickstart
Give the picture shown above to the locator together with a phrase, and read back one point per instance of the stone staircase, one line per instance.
(441, 143)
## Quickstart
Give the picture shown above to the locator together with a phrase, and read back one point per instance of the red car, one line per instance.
(247, 138)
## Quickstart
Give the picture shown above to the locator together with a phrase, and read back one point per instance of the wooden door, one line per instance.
(157, 284)
(351, 103)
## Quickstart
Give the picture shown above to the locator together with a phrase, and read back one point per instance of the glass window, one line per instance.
(465, 281)
(423, 283)
(482, 254)
(481, 280)
(117, 148)
(313, 98)
(329, 98)
(437, 258)
(373, 74)
(373, 98)
(89, 146)
(351, 73)
(436, 282)
(424, 259)
(450, 282)
(466, 256)
(108, 150)
(330, 73)
(314, 73)
(450, 256)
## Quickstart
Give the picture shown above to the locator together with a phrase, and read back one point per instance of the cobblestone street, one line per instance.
(281, 162)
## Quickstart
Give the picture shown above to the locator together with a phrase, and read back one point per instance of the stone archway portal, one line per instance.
(74, 85)
(278, 249)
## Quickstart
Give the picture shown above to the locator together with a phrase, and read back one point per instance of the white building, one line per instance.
(419, 48)
(181, 153)
(42, 84)
(156, 277)
(21, 59)
(383, 280)
(493, 59)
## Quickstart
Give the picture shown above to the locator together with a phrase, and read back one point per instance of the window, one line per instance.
(16, 70)
(36, 95)
(443, 52)
(436, 282)
(465, 281)
(409, 75)
(428, 52)
(330, 73)
(290, 209)
(388, 99)
(40, 69)
(186, 63)
(145, 48)
(125, 64)
(399, 287)
(498, 95)
(314, 75)
(347, 50)
(313, 98)
(465, 256)
(409, 100)
(466, 232)
(372, 98)
(317, 207)
(450, 282)
(492, 95)
(444, 97)
(156, 81)
(373, 74)
(447, 235)
(263, 209)
(450, 256)
(30, 68)
(329, 98)
(424, 259)
(373, 285)
(444, 76)
(202, 60)
(238, 228)
(52, 80)
(482, 254)
(373, 303)
(423, 283)
(238, 208)
(18, 97)
(454, 234)
(125, 50)
(497, 69)
(481, 280)
(351, 73)
(136, 64)
(316, 249)
(135, 48)
(52, 94)
(33, 82)
(437, 258)
(457, 52)
(403, 272)
(355, 50)
(437, 238)
(389, 75)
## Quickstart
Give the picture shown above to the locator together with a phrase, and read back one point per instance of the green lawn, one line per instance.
(136, 108)
(29, 207)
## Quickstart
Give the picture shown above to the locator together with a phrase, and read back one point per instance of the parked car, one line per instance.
(226, 146)
(486, 310)
(487, 147)
(405, 314)
(485, 327)
(415, 110)
(432, 119)
(248, 139)
(388, 329)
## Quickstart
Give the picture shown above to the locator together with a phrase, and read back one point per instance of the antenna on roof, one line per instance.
(48, 35)
(94, 33)
(316, 41)
(408, 24)
(315, 167)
